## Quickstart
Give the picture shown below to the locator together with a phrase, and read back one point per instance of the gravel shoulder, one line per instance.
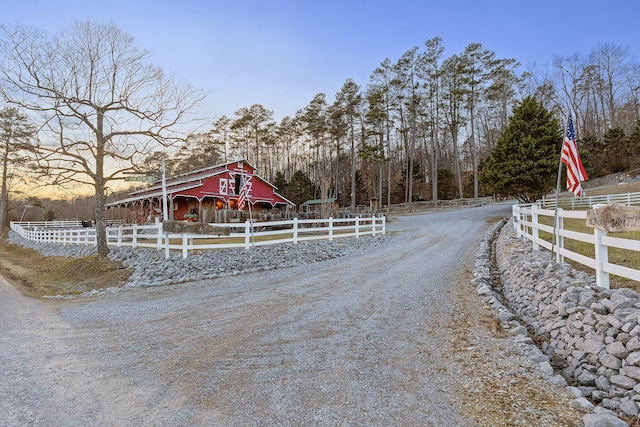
(390, 335)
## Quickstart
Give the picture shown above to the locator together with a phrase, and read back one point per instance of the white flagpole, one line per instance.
(555, 216)
(165, 214)
(248, 197)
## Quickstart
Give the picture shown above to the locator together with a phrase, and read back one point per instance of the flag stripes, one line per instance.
(570, 157)
(242, 197)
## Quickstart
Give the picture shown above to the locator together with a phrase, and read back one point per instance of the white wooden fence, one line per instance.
(586, 202)
(240, 235)
(51, 224)
(526, 221)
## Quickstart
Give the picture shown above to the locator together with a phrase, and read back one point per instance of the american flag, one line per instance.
(570, 157)
(242, 195)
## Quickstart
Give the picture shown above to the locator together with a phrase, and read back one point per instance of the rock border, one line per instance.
(585, 334)
(151, 268)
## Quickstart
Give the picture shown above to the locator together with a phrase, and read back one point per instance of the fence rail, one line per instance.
(590, 201)
(526, 219)
(52, 224)
(243, 235)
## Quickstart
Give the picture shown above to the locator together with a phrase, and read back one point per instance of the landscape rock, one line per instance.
(593, 420)
(151, 268)
(591, 334)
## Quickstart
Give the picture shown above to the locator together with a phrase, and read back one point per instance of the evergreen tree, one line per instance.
(617, 150)
(525, 161)
(151, 165)
(17, 134)
(299, 189)
(446, 185)
(280, 182)
(634, 145)
(200, 150)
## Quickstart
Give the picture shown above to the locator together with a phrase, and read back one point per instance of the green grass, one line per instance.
(617, 256)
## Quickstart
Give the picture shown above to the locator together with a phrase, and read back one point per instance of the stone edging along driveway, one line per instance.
(578, 324)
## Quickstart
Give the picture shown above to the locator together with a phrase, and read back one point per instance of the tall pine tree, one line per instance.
(17, 135)
(525, 161)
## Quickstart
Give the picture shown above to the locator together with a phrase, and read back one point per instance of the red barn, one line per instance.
(207, 195)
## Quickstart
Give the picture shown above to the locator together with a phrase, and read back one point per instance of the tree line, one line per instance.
(420, 128)
(423, 124)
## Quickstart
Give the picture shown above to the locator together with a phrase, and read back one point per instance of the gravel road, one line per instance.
(370, 338)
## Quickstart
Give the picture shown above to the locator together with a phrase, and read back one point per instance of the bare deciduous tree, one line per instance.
(104, 104)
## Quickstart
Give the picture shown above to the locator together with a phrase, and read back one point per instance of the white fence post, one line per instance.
(247, 234)
(295, 230)
(159, 233)
(373, 224)
(134, 239)
(330, 229)
(166, 245)
(119, 235)
(357, 224)
(602, 257)
(515, 213)
(559, 237)
(534, 227)
(185, 245)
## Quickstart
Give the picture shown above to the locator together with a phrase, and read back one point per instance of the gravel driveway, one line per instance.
(373, 338)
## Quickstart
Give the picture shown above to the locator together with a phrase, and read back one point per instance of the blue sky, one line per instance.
(282, 53)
